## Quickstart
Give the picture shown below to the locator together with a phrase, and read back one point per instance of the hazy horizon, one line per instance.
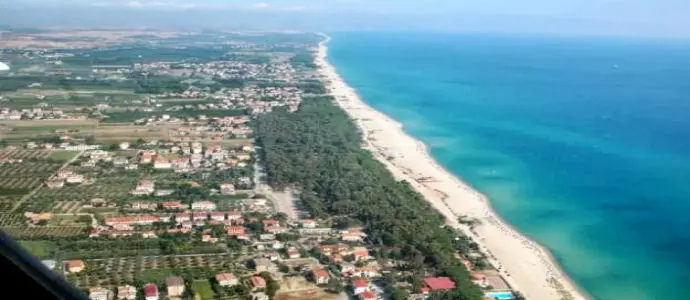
(644, 18)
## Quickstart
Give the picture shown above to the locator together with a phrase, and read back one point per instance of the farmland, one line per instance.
(114, 271)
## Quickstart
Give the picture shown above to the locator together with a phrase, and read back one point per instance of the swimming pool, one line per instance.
(500, 295)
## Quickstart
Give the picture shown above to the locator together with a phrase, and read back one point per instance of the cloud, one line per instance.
(142, 4)
(260, 5)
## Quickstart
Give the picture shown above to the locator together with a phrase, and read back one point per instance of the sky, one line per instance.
(655, 18)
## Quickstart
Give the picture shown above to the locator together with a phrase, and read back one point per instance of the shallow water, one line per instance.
(581, 143)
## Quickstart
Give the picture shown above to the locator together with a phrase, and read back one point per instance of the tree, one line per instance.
(272, 286)
(335, 286)
(284, 269)
(400, 294)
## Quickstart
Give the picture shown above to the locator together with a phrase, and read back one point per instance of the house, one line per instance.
(292, 253)
(257, 283)
(126, 292)
(55, 183)
(346, 267)
(367, 295)
(360, 286)
(218, 216)
(263, 265)
(151, 291)
(64, 173)
(271, 222)
(161, 163)
(479, 279)
(439, 283)
(172, 205)
(365, 272)
(333, 249)
(226, 279)
(227, 188)
(99, 293)
(273, 256)
(144, 187)
(183, 217)
(320, 276)
(275, 229)
(146, 158)
(235, 230)
(75, 178)
(74, 266)
(351, 236)
(175, 286)
(124, 145)
(196, 148)
(308, 223)
(203, 205)
(207, 238)
(234, 215)
(267, 237)
(132, 220)
(360, 253)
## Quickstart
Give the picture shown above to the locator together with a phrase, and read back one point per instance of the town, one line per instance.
(131, 164)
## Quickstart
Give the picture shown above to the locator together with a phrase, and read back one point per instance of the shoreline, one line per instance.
(527, 266)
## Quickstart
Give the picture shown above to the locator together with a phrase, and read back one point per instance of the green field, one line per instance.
(203, 288)
(40, 249)
(63, 155)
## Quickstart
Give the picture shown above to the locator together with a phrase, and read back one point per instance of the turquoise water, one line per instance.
(582, 144)
(500, 295)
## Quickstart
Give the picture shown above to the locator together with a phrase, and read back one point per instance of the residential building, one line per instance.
(263, 265)
(175, 286)
(204, 205)
(360, 286)
(75, 266)
(227, 188)
(99, 293)
(292, 253)
(151, 291)
(172, 205)
(257, 282)
(439, 283)
(308, 223)
(226, 279)
(132, 220)
(320, 276)
(126, 292)
(367, 295)
(161, 163)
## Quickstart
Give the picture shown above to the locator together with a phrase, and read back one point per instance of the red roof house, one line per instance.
(439, 283)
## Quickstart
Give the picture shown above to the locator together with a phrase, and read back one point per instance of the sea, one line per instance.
(581, 143)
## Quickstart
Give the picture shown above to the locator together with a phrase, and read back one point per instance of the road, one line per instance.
(282, 201)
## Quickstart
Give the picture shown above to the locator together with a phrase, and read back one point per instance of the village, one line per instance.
(154, 187)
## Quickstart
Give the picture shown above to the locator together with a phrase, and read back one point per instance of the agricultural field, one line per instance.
(45, 232)
(8, 219)
(40, 249)
(117, 270)
(203, 289)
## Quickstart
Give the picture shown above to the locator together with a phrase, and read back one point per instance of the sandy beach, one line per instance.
(526, 266)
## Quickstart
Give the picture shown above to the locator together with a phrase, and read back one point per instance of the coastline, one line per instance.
(528, 267)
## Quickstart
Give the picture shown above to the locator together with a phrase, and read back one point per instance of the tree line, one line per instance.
(317, 150)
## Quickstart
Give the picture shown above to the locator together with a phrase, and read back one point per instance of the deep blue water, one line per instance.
(583, 144)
